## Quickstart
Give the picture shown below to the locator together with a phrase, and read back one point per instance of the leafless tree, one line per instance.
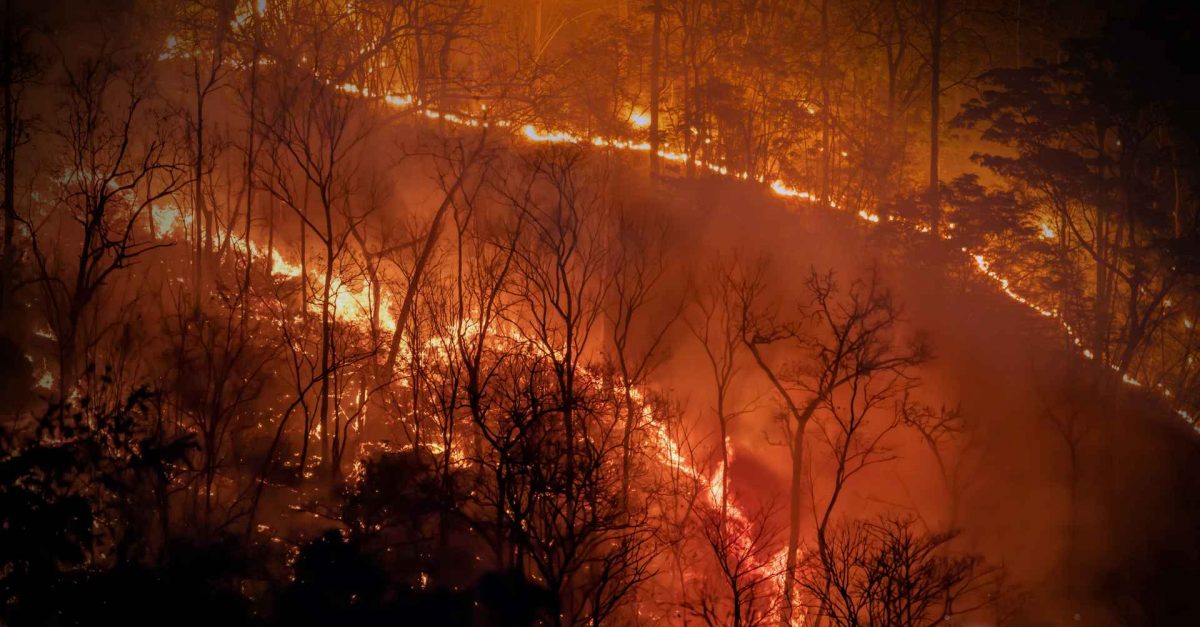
(848, 343)
(1066, 415)
(638, 333)
(559, 265)
(887, 572)
(743, 548)
(18, 69)
(944, 433)
(202, 47)
(220, 371)
(716, 325)
(117, 158)
(316, 171)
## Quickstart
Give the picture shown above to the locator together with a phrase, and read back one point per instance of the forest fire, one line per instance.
(591, 312)
(785, 190)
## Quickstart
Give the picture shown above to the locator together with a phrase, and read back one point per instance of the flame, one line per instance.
(556, 137)
(281, 267)
(639, 118)
(714, 489)
(165, 219)
(667, 448)
(352, 304)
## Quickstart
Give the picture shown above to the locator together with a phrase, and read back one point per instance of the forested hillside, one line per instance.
(598, 312)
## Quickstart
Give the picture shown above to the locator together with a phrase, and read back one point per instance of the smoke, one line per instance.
(1066, 481)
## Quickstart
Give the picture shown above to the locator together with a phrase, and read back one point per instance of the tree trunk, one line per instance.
(799, 422)
(270, 262)
(304, 309)
(724, 420)
(410, 293)
(655, 69)
(9, 156)
(826, 118)
(795, 501)
(419, 48)
(326, 343)
(250, 154)
(935, 89)
(1100, 302)
(631, 422)
(198, 191)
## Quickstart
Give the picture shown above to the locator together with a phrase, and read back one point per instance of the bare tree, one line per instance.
(849, 340)
(316, 171)
(743, 548)
(462, 160)
(940, 431)
(1067, 416)
(716, 324)
(18, 69)
(886, 572)
(220, 370)
(205, 28)
(636, 331)
(117, 160)
(560, 262)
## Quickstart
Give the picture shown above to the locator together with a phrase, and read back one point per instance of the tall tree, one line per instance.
(850, 340)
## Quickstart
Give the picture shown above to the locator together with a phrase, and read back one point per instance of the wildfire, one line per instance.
(783, 189)
(737, 521)
(667, 448)
(558, 137)
(353, 303)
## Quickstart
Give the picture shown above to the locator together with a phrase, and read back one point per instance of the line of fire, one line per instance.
(558, 313)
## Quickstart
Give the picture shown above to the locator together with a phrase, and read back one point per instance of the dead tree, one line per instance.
(461, 161)
(559, 267)
(844, 338)
(316, 171)
(637, 333)
(939, 430)
(220, 371)
(716, 324)
(116, 160)
(888, 572)
(204, 30)
(19, 68)
(743, 549)
(1067, 416)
